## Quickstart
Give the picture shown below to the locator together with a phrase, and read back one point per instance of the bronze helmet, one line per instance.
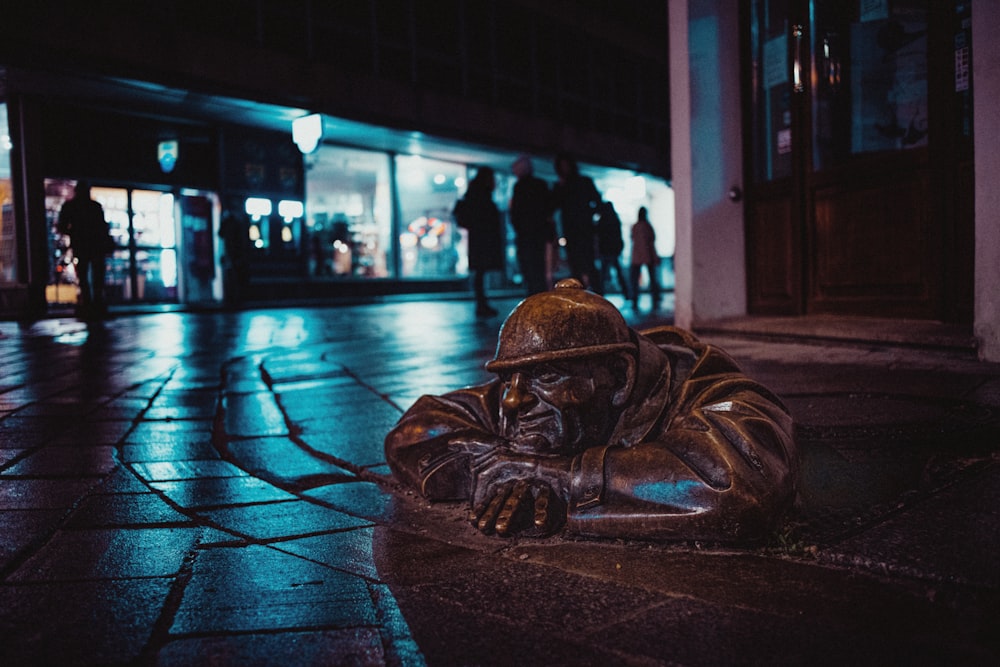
(567, 322)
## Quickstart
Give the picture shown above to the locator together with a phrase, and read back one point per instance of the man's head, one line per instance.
(522, 166)
(565, 167)
(567, 359)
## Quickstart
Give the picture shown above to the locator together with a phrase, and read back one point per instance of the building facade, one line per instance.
(841, 154)
(181, 115)
(827, 157)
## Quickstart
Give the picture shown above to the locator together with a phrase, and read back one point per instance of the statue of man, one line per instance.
(600, 430)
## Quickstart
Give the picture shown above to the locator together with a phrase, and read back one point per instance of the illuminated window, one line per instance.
(348, 224)
(431, 244)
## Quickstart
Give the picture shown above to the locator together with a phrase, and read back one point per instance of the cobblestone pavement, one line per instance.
(210, 488)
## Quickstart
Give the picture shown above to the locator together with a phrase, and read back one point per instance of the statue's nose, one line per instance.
(517, 396)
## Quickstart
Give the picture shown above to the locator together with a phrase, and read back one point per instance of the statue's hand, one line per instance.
(525, 506)
(520, 498)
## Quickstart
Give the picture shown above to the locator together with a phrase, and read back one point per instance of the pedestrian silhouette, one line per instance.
(82, 219)
(477, 213)
(644, 255)
(609, 247)
(235, 235)
(577, 199)
(531, 217)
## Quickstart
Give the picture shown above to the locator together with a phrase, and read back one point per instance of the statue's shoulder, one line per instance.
(698, 357)
(670, 336)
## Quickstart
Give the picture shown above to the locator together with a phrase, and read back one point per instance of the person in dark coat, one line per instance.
(477, 213)
(644, 255)
(577, 198)
(82, 219)
(531, 218)
(609, 247)
(234, 231)
(601, 430)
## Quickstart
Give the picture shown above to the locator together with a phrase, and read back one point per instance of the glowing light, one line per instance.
(290, 209)
(307, 131)
(257, 207)
(439, 179)
(635, 187)
(355, 205)
(429, 242)
(254, 233)
(166, 220)
(286, 234)
(168, 267)
(460, 182)
(167, 153)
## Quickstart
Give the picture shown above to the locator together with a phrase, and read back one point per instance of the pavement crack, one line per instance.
(160, 634)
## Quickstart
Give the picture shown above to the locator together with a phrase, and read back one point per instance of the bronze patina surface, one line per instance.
(597, 429)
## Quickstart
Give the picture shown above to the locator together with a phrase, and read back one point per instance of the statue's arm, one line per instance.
(439, 440)
(720, 470)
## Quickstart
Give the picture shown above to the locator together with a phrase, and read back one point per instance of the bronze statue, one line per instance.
(593, 427)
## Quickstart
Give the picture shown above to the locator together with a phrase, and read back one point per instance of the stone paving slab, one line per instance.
(125, 510)
(951, 537)
(351, 646)
(95, 461)
(22, 529)
(198, 494)
(365, 499)
(280, 520)
(284, 462)
(347, 550)
(94, 622)
(168, 451)
(255, 588)
(109, 553)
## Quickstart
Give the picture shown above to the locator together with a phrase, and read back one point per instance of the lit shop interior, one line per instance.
(374, 214)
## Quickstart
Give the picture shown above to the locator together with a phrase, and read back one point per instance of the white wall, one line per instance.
(706, 160)
(986, 129)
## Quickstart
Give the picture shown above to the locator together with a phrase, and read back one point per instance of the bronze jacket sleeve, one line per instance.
(717, 464)
(432, 446)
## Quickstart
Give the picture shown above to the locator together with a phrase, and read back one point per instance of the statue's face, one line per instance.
(558, 408)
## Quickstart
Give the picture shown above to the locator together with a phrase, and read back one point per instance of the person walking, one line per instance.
(609, 247)
(82, 219)
(477, 213)
(235, 234)
(577, 198)
(531, 218)
(644, 255)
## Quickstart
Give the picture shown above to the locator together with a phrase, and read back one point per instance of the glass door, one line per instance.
(165, 248)
(143, 265)
(844, 212)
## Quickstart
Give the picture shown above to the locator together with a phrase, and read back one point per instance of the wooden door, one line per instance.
(851, 203)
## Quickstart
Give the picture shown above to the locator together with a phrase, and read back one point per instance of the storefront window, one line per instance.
(348, 214)
(143, 263)
(8, 240)
(431, 245)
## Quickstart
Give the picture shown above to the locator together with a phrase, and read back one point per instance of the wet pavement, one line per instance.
(210, 488)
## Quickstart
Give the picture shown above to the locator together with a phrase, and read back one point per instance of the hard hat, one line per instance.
(567, 322)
